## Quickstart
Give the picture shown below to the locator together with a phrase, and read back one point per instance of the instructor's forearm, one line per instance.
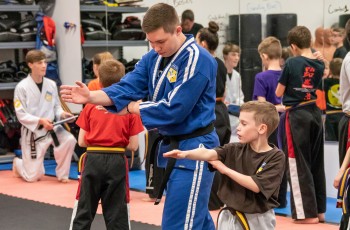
(99, 97)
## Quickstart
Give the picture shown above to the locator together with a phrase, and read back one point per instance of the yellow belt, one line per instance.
(107, 149)
(301, 104)
(334, 111)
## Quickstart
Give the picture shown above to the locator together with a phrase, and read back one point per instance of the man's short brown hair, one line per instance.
(160, 15)
(339, 30)
(187, 15)
(264, 113)
(271, 46)
(35, 56)
(110, 71)
(299, 36)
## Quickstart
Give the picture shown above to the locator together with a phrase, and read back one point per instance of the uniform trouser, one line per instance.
(32, 169)
(187, 196)
(234, 122)
(256, 221)
(223, 129)
(305, 149)
(222, 123)
(331, 126)
(343, 137)
(104, 177)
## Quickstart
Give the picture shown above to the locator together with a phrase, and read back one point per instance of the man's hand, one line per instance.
(46, 123)
(178, 154)
(79, 94)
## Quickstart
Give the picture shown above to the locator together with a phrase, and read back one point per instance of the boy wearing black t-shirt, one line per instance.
(303, 142)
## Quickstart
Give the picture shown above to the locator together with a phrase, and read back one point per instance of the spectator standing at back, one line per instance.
(188, 25)
(337, 38)
(234, 97)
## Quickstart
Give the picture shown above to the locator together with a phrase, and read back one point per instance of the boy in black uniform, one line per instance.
(304, 132)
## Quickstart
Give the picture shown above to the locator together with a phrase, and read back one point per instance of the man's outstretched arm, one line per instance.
(80, 94)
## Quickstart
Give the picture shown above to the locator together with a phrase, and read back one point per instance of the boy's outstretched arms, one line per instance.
(201, 154)
(80, 94)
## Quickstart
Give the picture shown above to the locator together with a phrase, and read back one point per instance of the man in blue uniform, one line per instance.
(178, 76)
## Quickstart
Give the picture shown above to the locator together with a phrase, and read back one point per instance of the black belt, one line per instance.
(174, 144)
(33, 140)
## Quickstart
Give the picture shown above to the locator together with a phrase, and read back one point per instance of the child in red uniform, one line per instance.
(104, 166)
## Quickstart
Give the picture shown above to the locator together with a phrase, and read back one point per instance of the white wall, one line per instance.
(311, 13)
(68, 43)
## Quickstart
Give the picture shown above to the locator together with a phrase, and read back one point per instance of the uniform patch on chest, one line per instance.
(17, 103)
(172, 74)
(48, 96)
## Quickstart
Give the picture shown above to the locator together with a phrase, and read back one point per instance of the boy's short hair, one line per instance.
(110, 71)
(272, 47)
(299, 36)
(101, 57)
(264, 113)
(160, 15)
(339, 30)
(286, 53)
(347, 30)
(229, 47)
(335, 66)
(35, 56)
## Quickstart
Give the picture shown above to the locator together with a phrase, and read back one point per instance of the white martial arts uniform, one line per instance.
(234, 95)
(31, 105)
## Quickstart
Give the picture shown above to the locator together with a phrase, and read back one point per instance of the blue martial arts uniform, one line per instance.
(182, 101)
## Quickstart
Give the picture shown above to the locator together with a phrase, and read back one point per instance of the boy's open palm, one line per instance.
(175, 154)
(75, 94)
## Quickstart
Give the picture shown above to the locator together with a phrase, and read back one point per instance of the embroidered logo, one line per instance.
(172, 74)
(261, 167)
(17, 103)
(48, 96)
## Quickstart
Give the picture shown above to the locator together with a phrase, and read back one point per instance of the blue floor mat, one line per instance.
(137, 179)
(333, 214)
